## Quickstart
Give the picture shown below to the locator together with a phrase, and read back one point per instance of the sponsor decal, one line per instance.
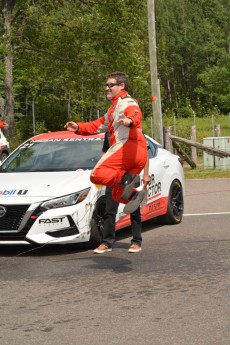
(11, 192)
(154, 187)
(51, 220)
(69, 139)
(3, 211)
(155, 206)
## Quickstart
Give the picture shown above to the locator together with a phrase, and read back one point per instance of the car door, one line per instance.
(158, 170)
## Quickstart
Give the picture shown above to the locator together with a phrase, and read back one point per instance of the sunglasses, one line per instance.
(110, 85)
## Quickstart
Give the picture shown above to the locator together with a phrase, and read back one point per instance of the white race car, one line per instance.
(46, 196)
(4, 146)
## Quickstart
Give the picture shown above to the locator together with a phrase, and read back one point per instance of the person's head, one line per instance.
(116, 82)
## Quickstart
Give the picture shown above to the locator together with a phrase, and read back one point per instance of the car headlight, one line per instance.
(66, 200)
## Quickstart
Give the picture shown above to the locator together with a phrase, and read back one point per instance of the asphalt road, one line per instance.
(174, 292)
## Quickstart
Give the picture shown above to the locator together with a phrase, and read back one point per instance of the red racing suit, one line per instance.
(127, 152)
(2, 124)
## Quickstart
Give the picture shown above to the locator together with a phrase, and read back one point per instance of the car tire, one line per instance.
(3, 156)
(97, 223)
(175, 205)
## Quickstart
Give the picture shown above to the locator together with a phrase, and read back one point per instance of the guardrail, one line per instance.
(171, 141)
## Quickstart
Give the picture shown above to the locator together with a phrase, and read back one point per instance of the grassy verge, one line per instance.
(204, 127)
(201, 173)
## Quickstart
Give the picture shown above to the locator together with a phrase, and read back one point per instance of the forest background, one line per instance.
(55, 56)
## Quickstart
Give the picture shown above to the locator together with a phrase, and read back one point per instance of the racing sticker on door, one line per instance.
(154, 207)
(154, 187)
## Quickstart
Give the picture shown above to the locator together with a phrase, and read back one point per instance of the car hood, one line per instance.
(39, 186)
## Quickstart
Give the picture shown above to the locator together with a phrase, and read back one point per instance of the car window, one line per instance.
(59, 155)
(152, 151)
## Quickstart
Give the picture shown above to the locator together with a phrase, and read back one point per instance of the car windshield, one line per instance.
(54, 155)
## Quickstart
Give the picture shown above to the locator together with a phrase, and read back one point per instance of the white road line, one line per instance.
(204, 214)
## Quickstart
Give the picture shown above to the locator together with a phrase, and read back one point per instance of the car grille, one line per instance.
(13, 217)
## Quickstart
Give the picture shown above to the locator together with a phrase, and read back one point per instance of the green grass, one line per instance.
(201, 173)
(205, 127)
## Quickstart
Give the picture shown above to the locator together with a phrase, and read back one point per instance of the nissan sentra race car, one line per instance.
(46, 196)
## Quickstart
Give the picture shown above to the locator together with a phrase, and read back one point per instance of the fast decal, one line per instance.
(13, 192)
(51, 220)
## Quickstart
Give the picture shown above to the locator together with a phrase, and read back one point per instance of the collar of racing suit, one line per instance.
(121, 94)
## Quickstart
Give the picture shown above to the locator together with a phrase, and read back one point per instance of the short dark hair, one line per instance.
(120, 77)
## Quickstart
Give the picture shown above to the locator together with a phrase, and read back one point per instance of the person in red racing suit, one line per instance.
(3, 124)
(120, 166)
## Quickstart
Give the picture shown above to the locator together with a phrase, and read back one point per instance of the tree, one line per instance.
(192, 37)
(62, 51)
(7, 10)
(57, 53)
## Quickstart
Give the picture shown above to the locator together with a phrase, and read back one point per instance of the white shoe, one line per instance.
(134, 248)
(103, 248)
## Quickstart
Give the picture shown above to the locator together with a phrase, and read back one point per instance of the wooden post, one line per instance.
(193, 149)
(217, 130)
(168, 142)
(155, 84)
(183, 154)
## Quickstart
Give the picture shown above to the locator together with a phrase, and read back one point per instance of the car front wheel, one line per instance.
(97, 223)
(3, 156)
(175, 205)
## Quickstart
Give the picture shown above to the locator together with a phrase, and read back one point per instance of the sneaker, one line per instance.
(129, 181)
(103, 248)
(134, 248)
(134, 202)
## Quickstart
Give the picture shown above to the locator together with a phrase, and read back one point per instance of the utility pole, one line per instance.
(155, 84)
(33, 116)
